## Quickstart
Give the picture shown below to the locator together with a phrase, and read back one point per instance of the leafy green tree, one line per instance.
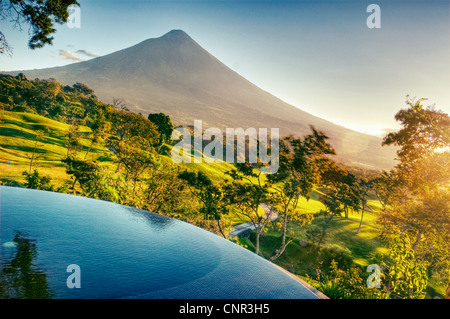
(94, 180)
(424, 131)
(405, 275)
(134, 143)
(83, 88)
(164, 190)
(164, 124)
(296, 177)
(342, 283)
(211, 196)
(82, 171)
(340, 194)
(40, 15)
(34, 180)
(73, 144)
(420, 208)
(246, 192)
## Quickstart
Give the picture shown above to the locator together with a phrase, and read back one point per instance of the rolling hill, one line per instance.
(174, 75)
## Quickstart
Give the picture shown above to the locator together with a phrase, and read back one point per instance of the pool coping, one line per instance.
(316, 292)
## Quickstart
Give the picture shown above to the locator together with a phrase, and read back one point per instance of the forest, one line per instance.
(334, 220)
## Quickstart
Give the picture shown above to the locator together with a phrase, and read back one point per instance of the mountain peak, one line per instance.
(176, 34)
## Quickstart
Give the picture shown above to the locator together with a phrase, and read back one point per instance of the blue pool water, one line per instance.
(124, 252)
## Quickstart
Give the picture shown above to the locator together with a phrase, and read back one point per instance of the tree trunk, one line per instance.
(322, 236)
(89, 149)
(285, 221)
(324, 229)
(220, 229)
(280, 251)
(360, 222)
(74, 182)
(32, 157)
(418, 237)
(258, 232)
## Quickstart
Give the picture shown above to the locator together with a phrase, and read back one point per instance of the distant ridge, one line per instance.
(175, 75)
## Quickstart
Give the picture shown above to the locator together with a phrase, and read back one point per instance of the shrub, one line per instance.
(34, 180)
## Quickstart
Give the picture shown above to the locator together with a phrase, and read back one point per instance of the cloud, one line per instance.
(75, 57)
(67, 55)
(88, 54)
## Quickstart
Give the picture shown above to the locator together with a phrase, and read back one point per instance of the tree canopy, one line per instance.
(40, 15)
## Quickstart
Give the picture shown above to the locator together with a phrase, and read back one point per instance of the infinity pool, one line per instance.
(123, 252)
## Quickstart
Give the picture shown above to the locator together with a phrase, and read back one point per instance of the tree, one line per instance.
(340, 194)
(405, 275)
(34, 180)
(83, 88)
(424, 131)
(39, 134)
(365, 186)
(164, 190)
(246, 192)
(40, 15)
(420, 208)
(134, 142)
(210, 195)
(73, 140)
(296, 177)
(164, 124)
(82, 171)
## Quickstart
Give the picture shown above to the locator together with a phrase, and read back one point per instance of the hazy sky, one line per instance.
(317, 55)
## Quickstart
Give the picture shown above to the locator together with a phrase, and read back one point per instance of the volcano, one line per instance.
(173, 74)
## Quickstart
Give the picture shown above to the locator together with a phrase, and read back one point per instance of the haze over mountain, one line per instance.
(174, 75)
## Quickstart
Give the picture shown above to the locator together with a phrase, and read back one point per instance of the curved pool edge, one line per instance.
(313, 290)
(207, 282)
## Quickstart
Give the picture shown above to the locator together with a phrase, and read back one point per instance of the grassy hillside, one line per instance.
(18, 133)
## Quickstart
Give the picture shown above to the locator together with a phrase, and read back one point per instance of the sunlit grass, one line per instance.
(18, 142)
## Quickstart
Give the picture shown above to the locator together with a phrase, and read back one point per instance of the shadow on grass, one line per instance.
(10, 182)
(53, 138)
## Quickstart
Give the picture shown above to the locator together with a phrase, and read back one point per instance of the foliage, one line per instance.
(164, 189)
(34, 180)
(214, 206)
(329, 255)
(424, 130)
(50, 98)
(341, 192)
(133, 140)
(344, 283)
(163, 123)
(40, 15)
(415, 194)
(296, 177)
(245, 193)
(404, 276)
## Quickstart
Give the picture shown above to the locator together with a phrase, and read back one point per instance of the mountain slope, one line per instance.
(174, 75)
